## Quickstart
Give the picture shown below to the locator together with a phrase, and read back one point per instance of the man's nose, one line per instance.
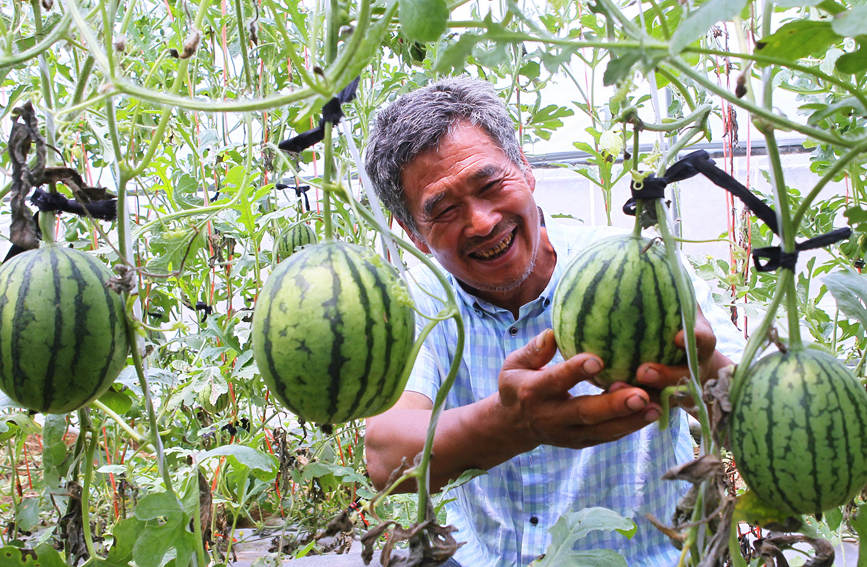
(482, 219)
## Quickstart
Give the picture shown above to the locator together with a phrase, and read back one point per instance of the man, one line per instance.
(445, 160)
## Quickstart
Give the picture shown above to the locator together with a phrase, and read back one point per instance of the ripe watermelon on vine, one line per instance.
(63, 337)
(798, 431)
(333, 330)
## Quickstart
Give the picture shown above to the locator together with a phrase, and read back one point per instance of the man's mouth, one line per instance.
(497, 250)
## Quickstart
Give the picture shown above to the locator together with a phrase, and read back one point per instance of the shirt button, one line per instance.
(534, 520)
(547, 302)
(513, 331)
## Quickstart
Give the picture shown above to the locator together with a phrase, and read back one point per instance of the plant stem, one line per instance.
(55, 35)
(120, 422)
(786, 277)
(242, 38)
(86, 428)
(775, 119)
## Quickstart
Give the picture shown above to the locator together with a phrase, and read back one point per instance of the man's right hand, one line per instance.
(544, 412)
(533, 407)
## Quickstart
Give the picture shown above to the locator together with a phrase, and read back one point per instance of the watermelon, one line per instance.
(617, 299)
(63, 334)
(293, 238)
(798, 431)
(333, 330)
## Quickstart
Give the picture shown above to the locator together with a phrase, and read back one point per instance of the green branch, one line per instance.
(780, 122)
(53, 37)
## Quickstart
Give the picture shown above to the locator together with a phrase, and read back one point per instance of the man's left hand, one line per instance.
(658, 376)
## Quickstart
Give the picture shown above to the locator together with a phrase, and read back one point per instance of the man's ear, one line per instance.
(419, 243)
(528, 172)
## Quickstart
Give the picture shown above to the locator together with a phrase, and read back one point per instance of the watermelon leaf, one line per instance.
(572, 526)
(699, 22)
(798, 39)
(423, 20)
(43, 556)
(850, 291)
(243, 455)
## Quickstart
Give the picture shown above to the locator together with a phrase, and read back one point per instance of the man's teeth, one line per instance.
(491, 252)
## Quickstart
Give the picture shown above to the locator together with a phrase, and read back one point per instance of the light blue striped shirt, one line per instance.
(504, 515)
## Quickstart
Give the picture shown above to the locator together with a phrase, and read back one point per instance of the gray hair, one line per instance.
(418, 120)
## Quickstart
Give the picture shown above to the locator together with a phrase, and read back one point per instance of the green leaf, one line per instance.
(850, 291)
(117, 401)
(157, 505)
(43, 556)
(453, 58)
(856, 215)
(124, 533)
(619, 68)
(572, 526)
(854, 62)
(423, 20)
(851, 22)
(243, 455)
(27, 514)
(859, 524)
(153, 543)
(699, 22)
(797, 39)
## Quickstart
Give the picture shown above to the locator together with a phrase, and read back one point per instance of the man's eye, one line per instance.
(445, 213)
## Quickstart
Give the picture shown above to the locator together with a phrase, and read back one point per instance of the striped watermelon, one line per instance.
(332, 332)
(798, 431)
(293, 238)
(62, 332)
(617, 299)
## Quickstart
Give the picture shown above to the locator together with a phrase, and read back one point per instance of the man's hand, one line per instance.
(536, 398)
(658, 376)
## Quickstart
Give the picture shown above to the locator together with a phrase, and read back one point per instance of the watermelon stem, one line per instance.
(788, 229)
(87, 428)
(327, 174)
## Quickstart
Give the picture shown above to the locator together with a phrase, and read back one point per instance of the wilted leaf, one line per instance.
(423, 20)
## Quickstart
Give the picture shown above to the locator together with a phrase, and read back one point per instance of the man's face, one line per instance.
(474, 210)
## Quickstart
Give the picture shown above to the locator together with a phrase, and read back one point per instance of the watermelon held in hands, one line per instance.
(63, 334)
(333, 330)
(618, 300)
(798, 431)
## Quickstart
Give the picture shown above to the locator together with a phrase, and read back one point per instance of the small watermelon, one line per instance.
(798, 431)
(333, 330)
(617, 299)
(63, 334)
(293, 238)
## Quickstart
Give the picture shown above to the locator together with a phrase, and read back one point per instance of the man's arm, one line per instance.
(533, 406)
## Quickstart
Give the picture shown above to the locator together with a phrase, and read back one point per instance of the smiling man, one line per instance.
(445, 160)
